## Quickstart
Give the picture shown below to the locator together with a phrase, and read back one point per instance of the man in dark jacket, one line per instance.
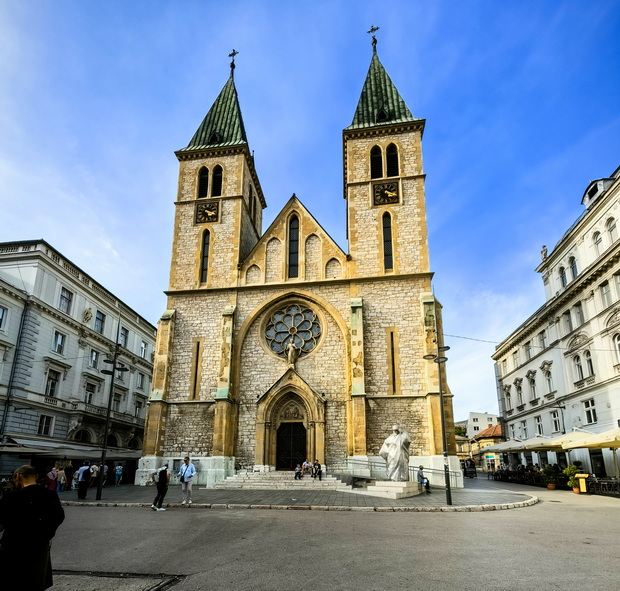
(29, 517)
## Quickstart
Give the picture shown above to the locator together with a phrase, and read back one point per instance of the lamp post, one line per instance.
(110, 372)
(439, 360)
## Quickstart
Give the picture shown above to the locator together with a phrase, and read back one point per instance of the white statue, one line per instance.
(395, 452)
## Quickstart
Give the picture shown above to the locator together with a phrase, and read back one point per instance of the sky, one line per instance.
(521, 100)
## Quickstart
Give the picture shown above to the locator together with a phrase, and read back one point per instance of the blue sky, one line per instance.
(521, 98)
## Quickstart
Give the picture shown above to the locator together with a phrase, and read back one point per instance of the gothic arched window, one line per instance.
(388, 259)
(293, 247)
(216, 190)
(204, 259)
(376, 163)
(203, 183)
(391, 160)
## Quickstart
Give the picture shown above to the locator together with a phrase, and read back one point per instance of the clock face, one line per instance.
(385, 193)
(207, 212)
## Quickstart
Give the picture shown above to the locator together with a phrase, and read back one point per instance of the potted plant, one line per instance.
(550, 477)
(573, 481)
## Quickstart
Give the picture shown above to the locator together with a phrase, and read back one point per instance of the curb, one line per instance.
(447, 509)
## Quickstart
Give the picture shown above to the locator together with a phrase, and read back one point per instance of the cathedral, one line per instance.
(278, 346)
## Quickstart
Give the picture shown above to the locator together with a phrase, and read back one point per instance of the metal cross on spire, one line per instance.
(372, 32)
(232, 54)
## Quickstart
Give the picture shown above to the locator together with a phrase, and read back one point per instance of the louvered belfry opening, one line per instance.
(203, 182)
(391, 160)
(216, 190)
(376, 163)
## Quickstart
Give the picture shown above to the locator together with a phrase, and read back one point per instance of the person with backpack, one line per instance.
(162, 479)
(83, 476)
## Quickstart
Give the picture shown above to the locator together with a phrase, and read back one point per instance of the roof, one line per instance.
(380, 103)
(493, 431)
(223, 124)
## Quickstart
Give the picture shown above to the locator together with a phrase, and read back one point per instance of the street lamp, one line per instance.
(110, 372)
(446, 468)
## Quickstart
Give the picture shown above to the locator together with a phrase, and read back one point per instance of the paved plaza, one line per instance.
(564, 541)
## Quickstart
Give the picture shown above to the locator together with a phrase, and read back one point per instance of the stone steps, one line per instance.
(276, 480)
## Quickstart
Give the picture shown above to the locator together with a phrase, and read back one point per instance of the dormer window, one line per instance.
(203, 182)
(382, 115)
(376, 163)
(214, 138)
(216, 190)
(391, 160)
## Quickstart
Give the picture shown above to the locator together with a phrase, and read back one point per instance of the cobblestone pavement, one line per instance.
(478, 494)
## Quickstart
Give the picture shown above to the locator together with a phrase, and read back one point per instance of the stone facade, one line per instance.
(228, 393)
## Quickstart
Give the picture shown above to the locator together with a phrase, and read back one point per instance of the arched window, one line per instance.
(549, 382)
(112, 440)
(519, 395)
(293, 247)
(573, 266)
(204, 260)
(216, 190)
(596, 241)
(376, 163)
(82, 435)
(611, 229)
(391, 160)
(508, 402)
(533, 394)
(388, 259)
(203, 182)
(578, 368)
(563, 276)
(617, 346)
(589, 365)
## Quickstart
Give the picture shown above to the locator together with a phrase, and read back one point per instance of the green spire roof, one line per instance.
(223, 125)
(380, 102)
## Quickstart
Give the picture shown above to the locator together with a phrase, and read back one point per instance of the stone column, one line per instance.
(358, 388)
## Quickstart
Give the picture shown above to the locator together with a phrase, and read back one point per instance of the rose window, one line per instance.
(296, 324)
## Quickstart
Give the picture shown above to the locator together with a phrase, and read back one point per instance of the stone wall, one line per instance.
(189, 430)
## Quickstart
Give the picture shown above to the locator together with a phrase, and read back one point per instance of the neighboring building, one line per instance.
(488, 461)
(479, 422)
(280, 346)
(560, 369)
(463, 447)
(57, 326)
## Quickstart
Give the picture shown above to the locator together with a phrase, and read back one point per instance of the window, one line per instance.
(45, 425)
(489, 419)
(539, 425)
(611, 229)
(573, 267)
(204, 261)
(519, 396)
(578, 368)
(578, 308)
(596, 241)
(90, 390)
(138, 408)
(555, 420)
(4, 314)
(563, 280)
(589, 365)
(605, 294)
(293, 247)
(203, 183)
(120, 374)
(515, 359)
(504, 367)
(475, 419)
(533, 393)
(388, 260)
(116, 403)
(512, 432)
(391, 160)
(549, 382)
(123, 337)
(523, 429)
(143, 349)
(66, 299)
(476, 428)
(52, 384)
(542, 338)
(99, 322)
(58, 345)
(216, 189)
(528, 350)
(588, 406)
(617, 345)
(376, 163)
(508, 401)
(93, 360)
(568, 321)
(140, 382)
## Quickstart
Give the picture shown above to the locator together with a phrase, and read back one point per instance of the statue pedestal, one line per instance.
(393, 490)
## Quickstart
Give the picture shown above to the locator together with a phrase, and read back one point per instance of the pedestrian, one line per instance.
(423, 480)
(162, 480)
(29, 517)
(61, 479)
(186, 476)
(94, 470)
(118, 475)
(51, 478)
(83, 476)
(69, 475)
(105, 473)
